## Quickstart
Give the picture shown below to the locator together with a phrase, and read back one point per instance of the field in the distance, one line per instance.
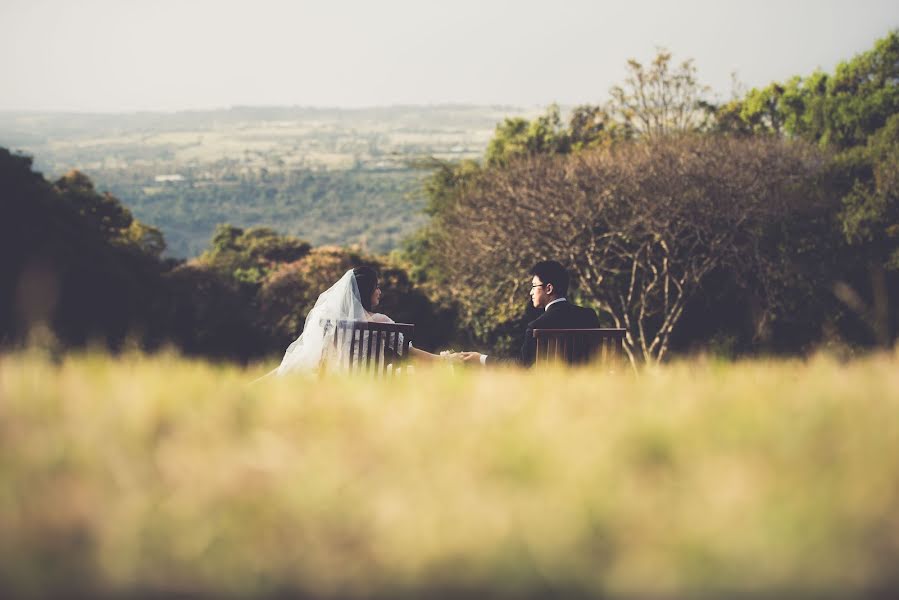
(327, 175)
(145, 475)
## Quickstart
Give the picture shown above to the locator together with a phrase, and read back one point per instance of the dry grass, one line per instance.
(148, 475)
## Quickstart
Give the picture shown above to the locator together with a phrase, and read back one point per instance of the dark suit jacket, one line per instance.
(561, 315)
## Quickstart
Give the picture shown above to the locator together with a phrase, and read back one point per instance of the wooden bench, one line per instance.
(370, 346)
(578, 346)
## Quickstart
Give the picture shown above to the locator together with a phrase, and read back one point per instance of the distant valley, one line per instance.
(330, 176)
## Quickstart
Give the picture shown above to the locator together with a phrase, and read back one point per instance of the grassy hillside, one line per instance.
(139, 475)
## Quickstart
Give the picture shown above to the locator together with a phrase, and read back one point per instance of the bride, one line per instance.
(353, 298)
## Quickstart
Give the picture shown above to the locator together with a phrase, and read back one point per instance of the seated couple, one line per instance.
(355, 296)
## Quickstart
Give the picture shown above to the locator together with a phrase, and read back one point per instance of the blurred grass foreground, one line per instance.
(147, 476)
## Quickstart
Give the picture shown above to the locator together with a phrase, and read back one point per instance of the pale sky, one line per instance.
(125, 55)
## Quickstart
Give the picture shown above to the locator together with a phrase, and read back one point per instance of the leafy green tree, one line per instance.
(146, 238)
(67, 261)
(852, 113)
(863, 94)
(441, 188)
(840, 110)
(517, 136)
(224, 238)
(871, 212)
(588, 126)
(870, 223)
(593, 125)
(248, 256)
(103, 212)
(206, 314)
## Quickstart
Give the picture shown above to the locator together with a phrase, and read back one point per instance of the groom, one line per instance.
(549, 284)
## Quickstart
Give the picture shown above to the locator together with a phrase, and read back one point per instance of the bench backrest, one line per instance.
(371, 346)
(578, 346)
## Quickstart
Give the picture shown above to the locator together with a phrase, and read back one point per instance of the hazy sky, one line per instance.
(99, 55)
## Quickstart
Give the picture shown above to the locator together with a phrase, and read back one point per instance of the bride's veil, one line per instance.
(316, 344)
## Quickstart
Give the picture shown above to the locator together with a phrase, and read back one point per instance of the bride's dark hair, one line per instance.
(366, 281)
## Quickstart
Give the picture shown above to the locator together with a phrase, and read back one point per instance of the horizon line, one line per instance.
(319, 107)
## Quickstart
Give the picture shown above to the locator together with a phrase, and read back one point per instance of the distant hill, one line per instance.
(331, 176)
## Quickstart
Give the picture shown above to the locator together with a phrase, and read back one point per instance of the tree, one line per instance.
(517, 136)
(108, 216)
(871, 212)
(103, 212)
(840, 110)
(588, 126)
(249, 255)
(147, 239)
(870, 222)
(852, 112)
(862, 95)
(640, 224)
(593, 125)
(67, 262)
(660, 99)
(204, 314)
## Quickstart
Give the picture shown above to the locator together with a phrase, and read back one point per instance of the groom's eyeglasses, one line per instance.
(537, 285)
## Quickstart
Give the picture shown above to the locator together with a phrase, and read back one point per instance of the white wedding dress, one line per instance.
(315, 346)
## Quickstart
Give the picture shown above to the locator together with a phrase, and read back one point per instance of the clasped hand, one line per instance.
(462, 357)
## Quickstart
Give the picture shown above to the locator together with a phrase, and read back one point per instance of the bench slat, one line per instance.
(577, 346)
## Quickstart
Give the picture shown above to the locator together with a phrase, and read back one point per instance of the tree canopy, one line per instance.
(802, 245)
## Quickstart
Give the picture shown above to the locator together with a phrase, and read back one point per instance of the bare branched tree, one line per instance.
(640, 225)
(660, 99)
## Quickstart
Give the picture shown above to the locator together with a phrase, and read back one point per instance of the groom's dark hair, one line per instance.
(550, 271)
(366, 281)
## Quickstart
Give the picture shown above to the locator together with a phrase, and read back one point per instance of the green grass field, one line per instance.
(141, 476)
